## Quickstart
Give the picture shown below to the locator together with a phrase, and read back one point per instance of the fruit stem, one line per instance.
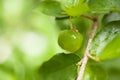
(88, 17)
(71, 26)
(87, 51)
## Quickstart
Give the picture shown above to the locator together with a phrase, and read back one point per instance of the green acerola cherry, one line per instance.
(70, 40)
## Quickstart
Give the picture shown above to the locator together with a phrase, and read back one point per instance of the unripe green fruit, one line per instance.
(70, 40)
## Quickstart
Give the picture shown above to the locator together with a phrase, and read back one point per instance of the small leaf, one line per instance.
(106, 44)
(110, 64)
(78, 10)
(113, 16)
(74, 7)
(60, 67)
(70, 3)
(100, 6)
(52, 8)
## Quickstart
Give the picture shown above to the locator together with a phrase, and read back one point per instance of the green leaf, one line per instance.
(112, 68)
(82, 24)
(63, 24)
(106, 44)
(105, 70)
(95, 72)
(60, 67)
(100, 6)
(110, 64)
(114, 74)
(113, 16)
(52, 8)
(70, 3)
(74, 7)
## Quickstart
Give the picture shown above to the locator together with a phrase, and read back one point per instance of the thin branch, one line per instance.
(88, 17)
(85, 58)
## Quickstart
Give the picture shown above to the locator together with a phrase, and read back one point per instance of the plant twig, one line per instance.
(88, 17)
(85, 58)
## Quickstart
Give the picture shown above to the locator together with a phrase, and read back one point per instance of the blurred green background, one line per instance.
(27, 39)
